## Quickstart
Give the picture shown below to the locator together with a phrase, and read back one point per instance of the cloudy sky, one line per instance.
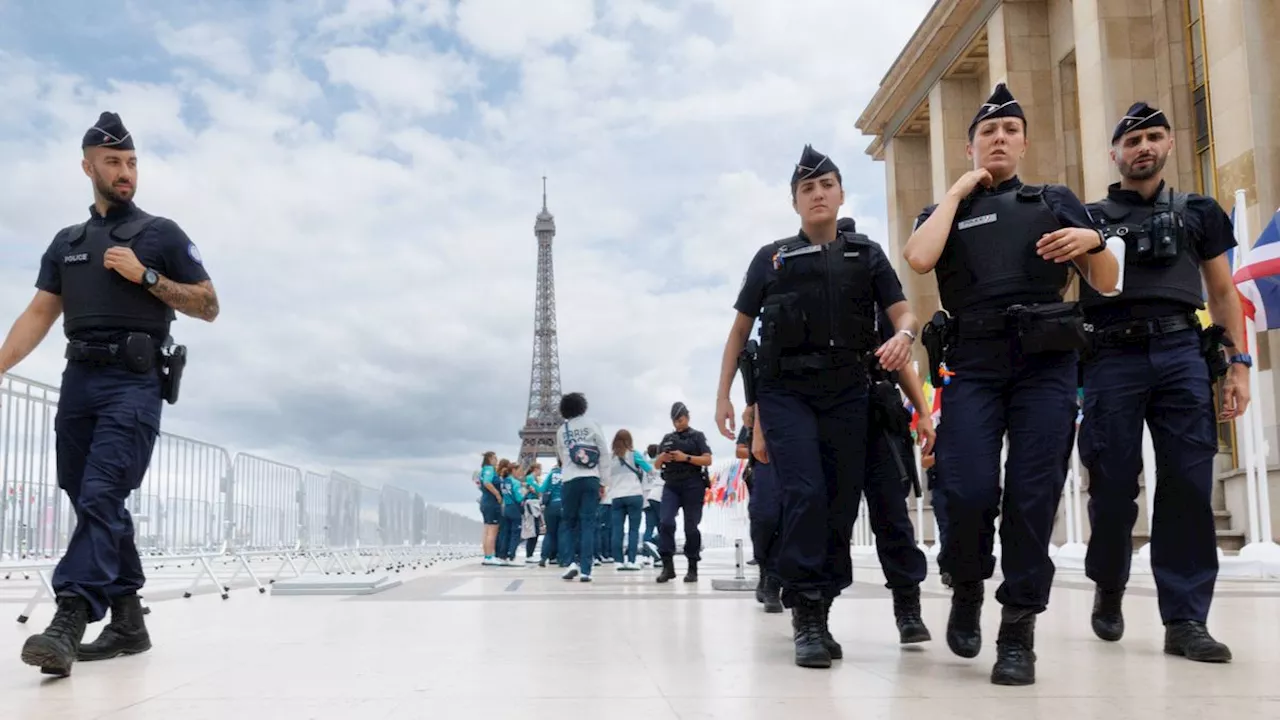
(362, 176)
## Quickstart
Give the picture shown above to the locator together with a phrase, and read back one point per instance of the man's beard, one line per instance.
(112, 195)
(1157, 165)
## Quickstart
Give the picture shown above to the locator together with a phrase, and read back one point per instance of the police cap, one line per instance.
(1000, 104)
(812, 164)
(1139, 116)
(108, 132)
(678, 410)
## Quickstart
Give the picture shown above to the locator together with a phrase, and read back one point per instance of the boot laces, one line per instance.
(64, 623)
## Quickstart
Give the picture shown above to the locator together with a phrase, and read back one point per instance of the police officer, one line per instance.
(683, 458)
(116, 280)
(764, 513)
(815, 294)
(1003, 251)
(1149, 364)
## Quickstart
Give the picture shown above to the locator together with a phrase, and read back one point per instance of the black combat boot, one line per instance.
(772, 595)
(906, 610)
(1191, 640)
(808, 622)
(126, 634)
(1015, 648)
(692, 575)
(833, 647)
(54, 650)
(760, 589)
(1108, 620)
(668, 569)
(964, 627)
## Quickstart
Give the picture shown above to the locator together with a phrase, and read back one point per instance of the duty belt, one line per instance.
(983, 325)
(98, 353)
(821, 361)
(1138, 330)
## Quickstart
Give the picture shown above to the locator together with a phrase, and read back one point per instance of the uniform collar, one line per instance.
(1012, 183)
(1132, 197)
(116, 213)
(803, 236)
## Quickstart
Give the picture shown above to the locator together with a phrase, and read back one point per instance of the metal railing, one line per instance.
(198, 498)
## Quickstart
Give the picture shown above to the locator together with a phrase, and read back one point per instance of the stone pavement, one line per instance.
(468, 642)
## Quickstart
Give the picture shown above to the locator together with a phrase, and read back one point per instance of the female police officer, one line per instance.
(815, 294)
(1001, 250)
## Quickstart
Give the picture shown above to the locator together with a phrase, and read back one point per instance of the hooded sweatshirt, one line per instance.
(586, 433)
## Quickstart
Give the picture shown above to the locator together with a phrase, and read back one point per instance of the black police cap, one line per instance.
(108, 132)
(812, 164)
(1000, 104)
(1139, 116)
(678, 410)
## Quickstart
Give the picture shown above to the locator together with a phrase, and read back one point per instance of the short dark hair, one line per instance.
(573, 405)
(652, 451)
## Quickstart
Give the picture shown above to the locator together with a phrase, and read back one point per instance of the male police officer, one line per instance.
(1149, 364)
(683, 458)
(815, 294)
(764, 512)
(116, 279)
(1001, 250)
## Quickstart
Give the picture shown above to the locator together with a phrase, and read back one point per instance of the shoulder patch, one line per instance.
(194, 253)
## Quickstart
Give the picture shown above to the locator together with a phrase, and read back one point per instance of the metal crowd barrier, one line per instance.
(203, 508)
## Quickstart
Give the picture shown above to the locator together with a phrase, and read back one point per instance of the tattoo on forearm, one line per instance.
(198, 300)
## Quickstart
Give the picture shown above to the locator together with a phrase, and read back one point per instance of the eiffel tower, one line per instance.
(537, 437)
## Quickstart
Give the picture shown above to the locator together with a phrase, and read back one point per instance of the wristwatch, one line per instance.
(1102, 244)
(150, 278)
(1242, 358)
(910, 335)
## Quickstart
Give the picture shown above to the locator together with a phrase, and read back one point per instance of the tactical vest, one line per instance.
(95, 298)
(686, 442)
(990, 258)
(1177, 280)
(821, 299)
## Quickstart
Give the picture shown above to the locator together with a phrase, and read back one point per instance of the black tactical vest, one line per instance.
(1176, 281)
(990, 259)
(821, 299)
(685, 441)
(97, 299)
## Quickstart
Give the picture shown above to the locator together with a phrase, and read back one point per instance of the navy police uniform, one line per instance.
(764, 513)
(1013, 348)
(684, 489)
(886, 490)
(816, 305)
(109, 407)
(1148, 365)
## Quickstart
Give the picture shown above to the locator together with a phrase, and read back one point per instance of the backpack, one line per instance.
(584, 455)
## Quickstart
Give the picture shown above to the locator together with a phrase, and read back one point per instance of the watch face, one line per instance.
(149, 277)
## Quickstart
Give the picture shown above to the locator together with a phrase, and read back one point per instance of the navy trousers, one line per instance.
(579, 502)
(1163, 381)
(107, 422)
(903, 563)
(997, 389)
(815, 425)
(764, 512)
(551, 541)
(685, 496)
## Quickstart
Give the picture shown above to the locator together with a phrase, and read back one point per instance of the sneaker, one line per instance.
(584, 578)
(571, 572)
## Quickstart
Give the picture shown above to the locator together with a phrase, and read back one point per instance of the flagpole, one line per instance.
(1261, 545)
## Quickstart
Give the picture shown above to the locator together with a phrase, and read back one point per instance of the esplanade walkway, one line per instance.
(279, 592)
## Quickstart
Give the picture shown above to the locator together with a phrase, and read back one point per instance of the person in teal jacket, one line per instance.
(550, 491)
(512, 511)
(490, 506)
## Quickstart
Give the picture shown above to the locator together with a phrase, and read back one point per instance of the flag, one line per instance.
(1258, 280)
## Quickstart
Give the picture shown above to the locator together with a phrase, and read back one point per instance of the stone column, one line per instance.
(1020, 56)
(909, 189)
(952, 104)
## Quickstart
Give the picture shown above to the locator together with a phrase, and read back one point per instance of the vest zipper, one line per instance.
(831, 312)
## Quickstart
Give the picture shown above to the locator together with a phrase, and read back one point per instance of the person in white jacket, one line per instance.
(580, 447)
(652, 507)
(625, 492)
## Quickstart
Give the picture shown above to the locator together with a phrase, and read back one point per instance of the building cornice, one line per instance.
(940, 40)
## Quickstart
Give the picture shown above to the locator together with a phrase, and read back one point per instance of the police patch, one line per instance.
(76, 259)
(194, 253)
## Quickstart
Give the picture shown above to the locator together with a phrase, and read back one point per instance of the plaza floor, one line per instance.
(464, 641)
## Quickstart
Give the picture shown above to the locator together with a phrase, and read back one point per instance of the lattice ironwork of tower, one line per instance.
(537, 437)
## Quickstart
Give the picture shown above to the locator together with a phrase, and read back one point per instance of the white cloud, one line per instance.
(364, 198)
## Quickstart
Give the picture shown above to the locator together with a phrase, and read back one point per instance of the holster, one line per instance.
(747, 366)
(935, 339)
(891, 418)
(1212, 340)
(173, 363)
(1049, 327)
